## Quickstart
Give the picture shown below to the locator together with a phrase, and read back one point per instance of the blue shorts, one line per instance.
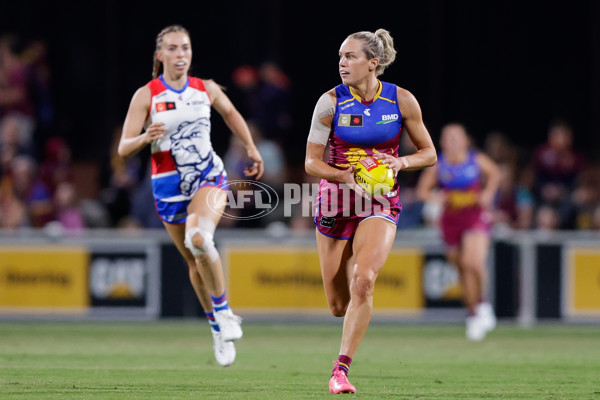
(175, 212)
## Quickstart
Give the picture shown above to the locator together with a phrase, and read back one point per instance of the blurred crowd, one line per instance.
(550, 187)
(35, 173)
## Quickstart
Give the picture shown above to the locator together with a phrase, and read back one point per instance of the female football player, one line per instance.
(188, 179)
(469, 181)
(361, 117)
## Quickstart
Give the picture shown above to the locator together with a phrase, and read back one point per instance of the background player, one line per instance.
(188, 178)
(469, 180)
(361, 117)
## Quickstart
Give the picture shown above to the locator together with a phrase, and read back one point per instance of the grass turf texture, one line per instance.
(174, 360)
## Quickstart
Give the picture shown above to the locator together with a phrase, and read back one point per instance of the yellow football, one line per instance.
(375, 178)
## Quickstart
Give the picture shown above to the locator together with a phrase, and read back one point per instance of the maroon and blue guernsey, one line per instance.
(461, 184)
(359, 130)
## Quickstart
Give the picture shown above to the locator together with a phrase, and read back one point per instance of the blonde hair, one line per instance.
(157, 67)
(378, 44)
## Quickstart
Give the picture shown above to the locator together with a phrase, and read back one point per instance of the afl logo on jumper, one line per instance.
(350, 120)
(165, 106)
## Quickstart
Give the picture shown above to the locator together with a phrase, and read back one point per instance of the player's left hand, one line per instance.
(395, 163)
(257, 168)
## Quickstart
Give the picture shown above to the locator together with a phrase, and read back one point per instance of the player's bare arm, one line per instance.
(313, 163)
(236, 123)
(131, 140)
(412, 119)
(315, 166)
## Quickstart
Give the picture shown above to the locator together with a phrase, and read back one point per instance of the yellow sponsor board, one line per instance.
(44, 277)
(270, 277)
(399, 285)
(583, 279)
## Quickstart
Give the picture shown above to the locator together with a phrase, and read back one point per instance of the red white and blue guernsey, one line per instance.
(359, 130)
(183, 160)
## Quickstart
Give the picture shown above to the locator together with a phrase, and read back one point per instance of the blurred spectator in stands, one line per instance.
(143, 208)
(556, 165)
(275, 175)
(500, 148)
(236, 159)
(14, 139)
(596, 218)
(555, 168)
(275, 118)
(514, 204)
(29, 189)
(547, 218)
(95, 215)
(15, 97)
(68, 211)
(123, 177)
(12, 210)
(585, 199)
(245, 91)
(35, 59)
(264, 97)
(55, 167)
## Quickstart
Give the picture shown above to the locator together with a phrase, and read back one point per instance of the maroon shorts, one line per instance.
(454, 223)
(339, 212)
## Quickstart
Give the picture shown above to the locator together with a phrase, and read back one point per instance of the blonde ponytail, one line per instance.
(380, 45)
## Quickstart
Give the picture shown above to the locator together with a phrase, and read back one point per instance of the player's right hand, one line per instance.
(155, 132)
(347, 177)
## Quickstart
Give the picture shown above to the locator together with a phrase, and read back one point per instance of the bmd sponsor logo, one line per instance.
(387, 118)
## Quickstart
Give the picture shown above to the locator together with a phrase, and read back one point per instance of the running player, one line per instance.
(359, 118)
(188, 178)
(469, 181)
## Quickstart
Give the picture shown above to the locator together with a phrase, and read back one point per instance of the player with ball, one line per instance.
(358, 204)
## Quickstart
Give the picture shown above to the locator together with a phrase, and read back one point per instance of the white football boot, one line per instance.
(475, 329)
(224, 351)
(485, 313)
(229, 324)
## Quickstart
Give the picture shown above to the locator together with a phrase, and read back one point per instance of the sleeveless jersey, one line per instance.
(184, 157)
(361, 130)
(461, 182)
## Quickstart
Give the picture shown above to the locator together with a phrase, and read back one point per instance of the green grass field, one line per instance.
(173, 360)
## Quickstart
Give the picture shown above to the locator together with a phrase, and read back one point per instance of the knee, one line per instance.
(470, 266)
(199, 238)
(363, 283)
(338, 308)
